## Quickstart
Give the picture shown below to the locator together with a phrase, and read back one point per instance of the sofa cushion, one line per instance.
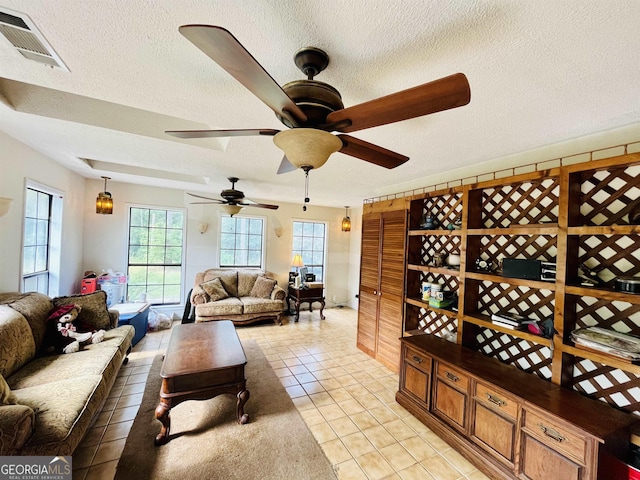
(35, 307)
(215, 289)
(16, 341)
(261, 305)
(94, 308)
(262, 288)
(246, 280)
(6, 395)
(227, 306)
(16, 427)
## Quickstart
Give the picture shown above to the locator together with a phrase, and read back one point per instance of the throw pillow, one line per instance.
(6, 395)
(214, 289)
(263, 287)
(94, 308)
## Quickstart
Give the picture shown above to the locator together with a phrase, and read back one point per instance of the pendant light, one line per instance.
(346, 221)
(104, 202)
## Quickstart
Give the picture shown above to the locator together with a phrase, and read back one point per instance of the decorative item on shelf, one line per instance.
(346, 221)
(453, 260)
(428, 222)
(426, 291)
(617, 344)
(589, 276)
(104, 202)
(438, 259)
(484, 265)
(628, 284)
(5, 205)
(456, 224)
(634, 214)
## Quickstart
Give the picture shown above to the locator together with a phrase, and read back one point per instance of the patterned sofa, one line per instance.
(47, 402)
(242, 296)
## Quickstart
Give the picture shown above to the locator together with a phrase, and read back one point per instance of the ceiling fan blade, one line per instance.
(259, 205)
(206, 203)
(371, 153)
(443, 94)
(221, 133)
(224, 49)
(286, 166)
(206, 198)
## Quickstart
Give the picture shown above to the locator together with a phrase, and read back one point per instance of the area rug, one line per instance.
(207, 442)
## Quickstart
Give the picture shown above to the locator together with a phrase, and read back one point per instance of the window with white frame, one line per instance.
(42, 239)
(156, 254)
(309, 240)
(241, 242)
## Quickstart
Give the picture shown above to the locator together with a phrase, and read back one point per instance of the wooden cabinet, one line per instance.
(381, 293)
(510, 424)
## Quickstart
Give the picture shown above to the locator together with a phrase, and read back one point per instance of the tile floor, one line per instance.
(346, 398)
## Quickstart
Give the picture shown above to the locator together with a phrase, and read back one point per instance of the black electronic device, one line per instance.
(521, 268)
(310, 277)
(628, 284)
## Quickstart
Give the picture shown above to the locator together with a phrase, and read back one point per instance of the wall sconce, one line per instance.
(346, 221)
(104, 202)
(5, 205)
(279, 231)
(203, 227)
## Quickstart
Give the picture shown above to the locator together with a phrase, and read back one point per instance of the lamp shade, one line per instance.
(231, 209)
(5, 205)
(104, 202)
(297, 261)
(346, 221)
(307, 147)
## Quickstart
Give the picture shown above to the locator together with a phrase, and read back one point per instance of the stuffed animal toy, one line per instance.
(66, 335)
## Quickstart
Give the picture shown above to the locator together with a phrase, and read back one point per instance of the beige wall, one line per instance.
(17, 163)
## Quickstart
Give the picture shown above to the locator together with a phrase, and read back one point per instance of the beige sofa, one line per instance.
(48, 402)
(246, 296)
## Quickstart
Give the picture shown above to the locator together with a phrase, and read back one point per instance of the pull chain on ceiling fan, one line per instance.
(313, 109)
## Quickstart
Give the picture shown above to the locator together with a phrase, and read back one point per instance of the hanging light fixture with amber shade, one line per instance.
(104, 202)
(346, 221)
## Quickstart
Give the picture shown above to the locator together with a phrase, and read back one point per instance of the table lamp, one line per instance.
(297, 262)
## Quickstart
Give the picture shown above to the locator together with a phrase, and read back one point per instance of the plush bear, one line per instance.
(65, 334)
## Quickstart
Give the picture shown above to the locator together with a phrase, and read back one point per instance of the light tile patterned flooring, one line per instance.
(346, 398)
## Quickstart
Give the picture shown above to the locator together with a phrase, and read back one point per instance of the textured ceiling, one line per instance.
(540, 72)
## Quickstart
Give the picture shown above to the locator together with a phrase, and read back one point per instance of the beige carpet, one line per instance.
(207, 442)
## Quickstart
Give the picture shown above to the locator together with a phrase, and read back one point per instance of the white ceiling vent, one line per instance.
(27, 39)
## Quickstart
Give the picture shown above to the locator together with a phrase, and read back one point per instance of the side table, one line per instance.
(305, 295)
(136, 314)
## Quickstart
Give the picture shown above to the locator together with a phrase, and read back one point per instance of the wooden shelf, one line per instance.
(538, 229)
(492, 277)
(604, 293)
(609, 360)
(441, 270)
(435, 232)
(485, 321)
(605, 230)
(418, 302)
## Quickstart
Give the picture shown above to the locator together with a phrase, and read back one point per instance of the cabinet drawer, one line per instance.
(418, 359)
(496, 400)
(556, 436)
(453, 376)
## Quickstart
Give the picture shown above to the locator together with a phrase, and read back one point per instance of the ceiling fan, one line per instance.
(232, 199)
(313, 109)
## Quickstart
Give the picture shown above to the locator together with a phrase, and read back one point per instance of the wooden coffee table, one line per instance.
(203, 360)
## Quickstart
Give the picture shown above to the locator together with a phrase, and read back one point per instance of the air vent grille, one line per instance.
(21, 32)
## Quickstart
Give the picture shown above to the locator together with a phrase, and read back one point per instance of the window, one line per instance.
(241, 242)
(309, 240)
(42, 239)
(156, 252)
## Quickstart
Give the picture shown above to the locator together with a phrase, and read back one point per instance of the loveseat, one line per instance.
(48, 401)
(242, 296)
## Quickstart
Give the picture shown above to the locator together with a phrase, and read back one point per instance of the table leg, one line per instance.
(297, 310)
(321, 309)
(243, 396)
(162, 414)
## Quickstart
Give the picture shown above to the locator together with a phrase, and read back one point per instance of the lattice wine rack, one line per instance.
(579, 217)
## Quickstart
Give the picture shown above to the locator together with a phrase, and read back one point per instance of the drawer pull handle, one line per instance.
(550, 432)
(417, 359)
(452, 377)
(495, 400)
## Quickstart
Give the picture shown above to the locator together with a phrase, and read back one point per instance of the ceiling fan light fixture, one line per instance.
(231, 209)
(307, 147)
(104, 202)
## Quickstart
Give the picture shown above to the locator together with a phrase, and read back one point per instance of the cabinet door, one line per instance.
(415, 377)
(369, 284)
(494, 432)
(539, 462)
